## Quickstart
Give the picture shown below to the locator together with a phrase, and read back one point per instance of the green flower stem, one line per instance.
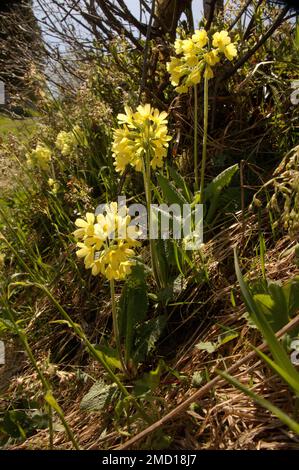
(115, 325)
(205, 139)
(195, 138)
(148, 196)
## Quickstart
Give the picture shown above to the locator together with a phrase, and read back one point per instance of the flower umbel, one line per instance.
(142, 134)
(197, 58)
(39, 157)
(67, 142)
(107, 242)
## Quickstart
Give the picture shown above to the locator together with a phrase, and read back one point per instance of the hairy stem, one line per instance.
(148, 196)
(195, 138)
(205, 139)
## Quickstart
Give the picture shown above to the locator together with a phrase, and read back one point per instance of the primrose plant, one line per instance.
(196, 57)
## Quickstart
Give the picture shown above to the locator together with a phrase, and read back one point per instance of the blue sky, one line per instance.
(196, 5)
(133, 5)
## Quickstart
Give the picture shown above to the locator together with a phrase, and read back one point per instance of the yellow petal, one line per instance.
(81, 223)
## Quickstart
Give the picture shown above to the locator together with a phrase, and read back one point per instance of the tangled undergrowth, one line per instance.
(150, 346)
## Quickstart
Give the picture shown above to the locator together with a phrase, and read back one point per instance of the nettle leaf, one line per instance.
(99, 396)
(197, 379)
(133, 306)
(147, 335)
(207, 346)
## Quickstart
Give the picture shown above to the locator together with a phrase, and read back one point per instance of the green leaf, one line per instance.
(180, 183)
(274, 310)
(109, 356)
(279, 302)
(277, 350)
(214, 188)
(65, 322)
(133, 306)
(7, 325)
(293, 295)
(98, 397)
(220, 181)
(170, 192)
(223, 339)
(284, 418)
(161, 256)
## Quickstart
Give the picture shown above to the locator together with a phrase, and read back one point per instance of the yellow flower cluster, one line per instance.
(196, 58)
(67, 142)
(107, 242)
(39, 157)
(141, 138)
(54, 185)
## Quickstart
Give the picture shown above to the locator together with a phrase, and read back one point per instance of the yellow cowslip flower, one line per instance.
(144, 112)
(67, 142)
(221, 40)
(200, 37)
(208, 73)
(107, 242)
(212, 58)
(195, 76)
(188, 46)
(230, 51)
(64, 143)
(178, 46)
(39, 157)
(143, 134)
(115, 262)
(86, 252)
(86, 227)
(182, 89)
(196, 58)
(126, 118)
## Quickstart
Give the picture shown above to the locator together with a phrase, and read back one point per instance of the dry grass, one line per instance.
(225, 418)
